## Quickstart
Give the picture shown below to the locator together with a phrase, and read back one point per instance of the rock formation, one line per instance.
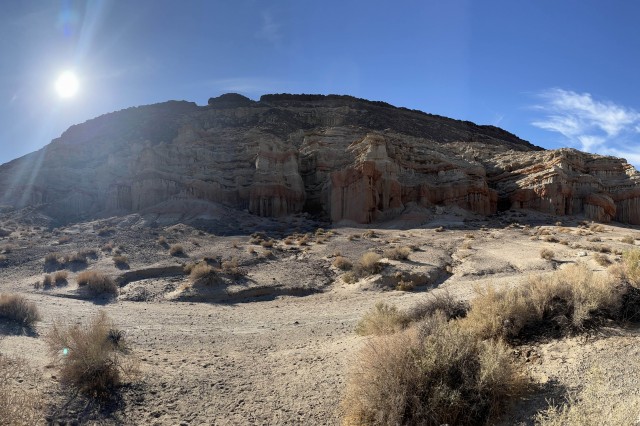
(337, 156)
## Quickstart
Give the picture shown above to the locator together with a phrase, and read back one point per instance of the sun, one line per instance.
(67, 84)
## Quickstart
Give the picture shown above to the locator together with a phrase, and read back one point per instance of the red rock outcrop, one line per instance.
(337, 156)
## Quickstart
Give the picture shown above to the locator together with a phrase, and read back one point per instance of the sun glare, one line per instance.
(67, 84)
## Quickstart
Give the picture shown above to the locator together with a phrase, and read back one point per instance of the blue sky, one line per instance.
(557, 73)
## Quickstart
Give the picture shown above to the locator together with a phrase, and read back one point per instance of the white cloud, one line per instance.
(591, 125)
(270, 29)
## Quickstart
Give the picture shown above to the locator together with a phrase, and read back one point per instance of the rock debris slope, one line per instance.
(336, 156)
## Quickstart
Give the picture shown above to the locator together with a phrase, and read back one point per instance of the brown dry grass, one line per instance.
(176, 250)
(627, 239)
(397, 253)
(439, 375)
(547, 254)
(19, 405)
(17, 308)
(368, 264)
(596, 404)
(97, 283)
(92, 357)
(382, 319)
(342, 263)
(567, 300)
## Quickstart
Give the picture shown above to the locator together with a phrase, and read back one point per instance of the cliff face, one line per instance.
(343, 157)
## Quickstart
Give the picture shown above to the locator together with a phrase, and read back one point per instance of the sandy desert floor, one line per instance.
(274, 346)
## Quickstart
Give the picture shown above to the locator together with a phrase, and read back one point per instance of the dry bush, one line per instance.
(602, 259)
(597, 228)
(442, 302)
(203, 274)
(162, 241)
(176, 250)
(60, 277)
(52, 258)
(121, 261)
(342, 263)
(551, 239)
(598, 403)
(16, 308)
(97, 283)
(627, 239)
(92, 357)
(382, 319)
(439, 229)
(368, 264)
(594, 239)
(267, 243)
(289, 240)
(47, 281)
(105, 230)
(631, 262)
(405, 285)
(349, 277)
(470, 236)
(547, 254)
(3, 258)
(568, 300)
(370, 233)
(64, 239)
(304, 240)
(446, 376)
(397, 253)
(232, 266)
(19, 404)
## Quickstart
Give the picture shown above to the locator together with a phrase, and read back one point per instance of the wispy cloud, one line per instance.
(270, 29)
(591, 125)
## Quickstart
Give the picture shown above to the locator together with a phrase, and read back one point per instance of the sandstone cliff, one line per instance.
(337, 156)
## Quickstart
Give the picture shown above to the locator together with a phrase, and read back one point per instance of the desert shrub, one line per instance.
(551, 239)
(594, 239)
(304, 240)
(267, 243)
(397, 253)
(60, 277)
(232, 266)
(64, 239)
(92, 357)
(121, 261)
(368, 264)
(289, 240)
(97, 283)
(52, 258)
(627, 239)
(203, 274)
(19, 404)
(601, 259)
(370, 233)
(598, 403)
(597, 228)
(604, 249)
(176, 250)
(105, 230)
(568, 300)
(382, 319)
(403, 285)
(446, 376)
(162, 241)
(3, 259)
(349, 277)
(547, 254)
(439, 229)
(442, 302)
(47, 281)
(631, 262)
(466, 245)
(107, 247)
(17, 308)
(342, 263)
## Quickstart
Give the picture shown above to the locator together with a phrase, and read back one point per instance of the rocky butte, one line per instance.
(337, 157)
